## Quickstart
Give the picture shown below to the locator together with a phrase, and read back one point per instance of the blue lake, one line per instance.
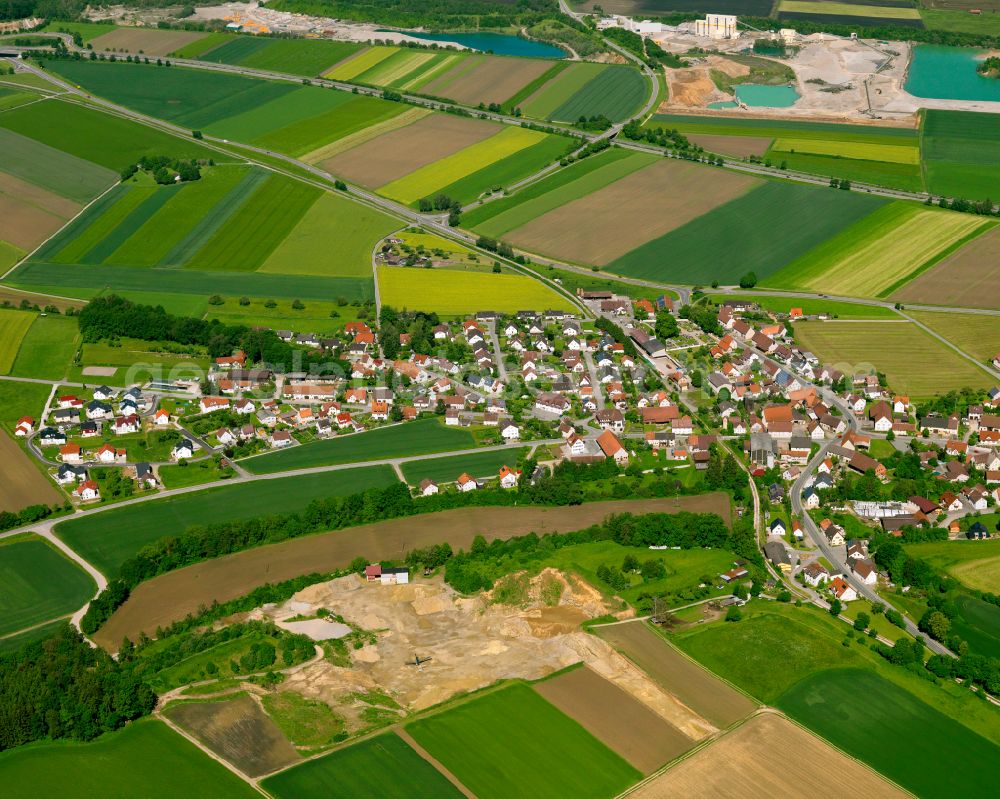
(499, 43)
(949, 73)
(755, 95)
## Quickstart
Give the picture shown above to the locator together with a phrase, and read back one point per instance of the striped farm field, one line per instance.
(433, 177)
(968, 278)
(355, 65)
(13, 327)
(93, 225)
(616, 92)
(397, 67)
(900, 350)
(609, 223)
(394, 121)
(448, 292)
(487, 79)
(306, 57)
(892, 153)
(755, 225)
(571, 79)
(881, 252)
(334, 237)
(960, 153)
(51, 169)
(976, 334)
(826, 8)
(577, 180)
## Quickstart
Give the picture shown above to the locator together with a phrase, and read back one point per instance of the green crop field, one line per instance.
(38, 583)
(87, 30)
(880, 253)
(429, 179)
(900, 350)
(398, 67)
(512, 743)
(397, 441)
(351, 67)
(107, 539)
(448, 469)
(976, 334)
(560, 89)
(582, 178)
(201, 46)
(887, 727)
(153, 201)
(315, 317)
(508, 170)
(973, 563)
(52, 169)
(259, 226)
(978, 623)
(14, 326)
(849, 9)
(109, 141)
(308, 138)
(960, 153)
(334, 237)
(47, 348)
(452, 293)
(146, 753)
(73, 280)
(754, 225)
(616, 92)
(99, 220)
(21, 399)
(294, 56)
(347, 774)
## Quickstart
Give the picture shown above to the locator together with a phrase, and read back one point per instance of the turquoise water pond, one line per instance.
(949, 73)
(723, 105)
(755, 95)
(499, 43)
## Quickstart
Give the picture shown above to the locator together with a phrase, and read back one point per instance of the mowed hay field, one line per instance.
(604, 225)
(14, 326)
(171, 596)
(973, 563)
(615, 717)
(968, 278)
(348, 774)
(976, 334)
(23, 484)
(700, 690)
(881, 252)
(149, 41)
(755, 226)
(37, 583)
(512, 743)
(108, 538)
(904, 738)
(755, 757)
(146, 753)
(914, 363)
(238, 731)
(400, 152)
(449, 292)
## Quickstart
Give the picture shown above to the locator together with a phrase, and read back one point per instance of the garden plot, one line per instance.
(609, 223)
(402, 152)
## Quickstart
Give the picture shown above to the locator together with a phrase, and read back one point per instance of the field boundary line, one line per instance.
(947, 342)
(433, 761)
(24, 630)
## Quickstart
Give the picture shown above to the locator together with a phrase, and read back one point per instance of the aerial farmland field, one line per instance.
(47, 348)
(37, 582)
(448, 469)
(899, 349)
(347, 773)
(294, 56)
(451, 293)
(14, 327)
(975, 334)
(51, 169)
(968, 278)
(416, 438)
(881, 252)
(150, 41)
(512, 743)
(146, 753)
(960, 154)
(107, 539)
(973, 563)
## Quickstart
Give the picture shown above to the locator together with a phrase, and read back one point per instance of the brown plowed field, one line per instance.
(494, 80)
(22, 483)
(736, 146)
(171, 596)
(238, 731)
(400, 152)
(35, 195)
(767, 756)
(25, 225)
(616, 718)
(645, 205)
(150, 42)
(968, 278)
(698, 689)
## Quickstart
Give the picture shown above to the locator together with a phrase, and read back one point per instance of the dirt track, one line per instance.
(767, 756)
(170, 597)
(615, 717)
